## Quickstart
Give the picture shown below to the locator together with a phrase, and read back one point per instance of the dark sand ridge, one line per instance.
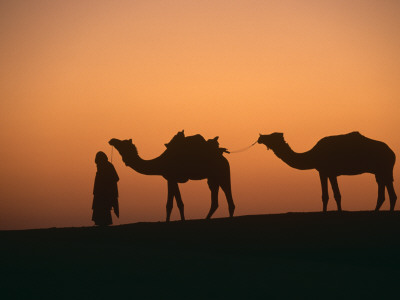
(295, 255)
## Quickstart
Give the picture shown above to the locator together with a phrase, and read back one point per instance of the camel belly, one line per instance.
(351, 167)
(184, 173)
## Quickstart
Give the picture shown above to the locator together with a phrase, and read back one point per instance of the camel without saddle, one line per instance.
(348, 154)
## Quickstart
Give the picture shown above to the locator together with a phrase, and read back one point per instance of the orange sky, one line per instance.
(76, 73)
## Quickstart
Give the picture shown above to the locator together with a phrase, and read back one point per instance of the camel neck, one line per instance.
(301, 161)
(146, 167)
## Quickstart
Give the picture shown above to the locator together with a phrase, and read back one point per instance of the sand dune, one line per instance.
(294, 255)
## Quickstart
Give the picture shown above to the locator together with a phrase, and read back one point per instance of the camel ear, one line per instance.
(130, 140)
(260, 134)
(216, 138)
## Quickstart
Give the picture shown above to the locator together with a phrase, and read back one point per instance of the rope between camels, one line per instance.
(244, 149)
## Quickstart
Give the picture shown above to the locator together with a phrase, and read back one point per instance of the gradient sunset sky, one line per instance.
(76, 73)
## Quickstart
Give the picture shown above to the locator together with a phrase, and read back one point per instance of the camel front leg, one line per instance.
(392, 195)
(179, 201)
(336, 192)
(381, 195)
(324, 187)
(170, 199)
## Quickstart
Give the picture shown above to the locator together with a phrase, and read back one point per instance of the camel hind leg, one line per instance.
(392, 195)
(385, 182)
(390, 189)
(381, 195)
(226, 187)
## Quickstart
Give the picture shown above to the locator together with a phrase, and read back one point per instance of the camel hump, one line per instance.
(355, 133)
(344, 137)
(356, 137)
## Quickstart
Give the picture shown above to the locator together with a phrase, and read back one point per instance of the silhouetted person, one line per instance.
(105, 191)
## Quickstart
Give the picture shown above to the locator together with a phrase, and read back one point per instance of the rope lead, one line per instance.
(244, 149)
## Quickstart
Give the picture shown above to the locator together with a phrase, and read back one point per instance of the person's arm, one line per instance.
(114, 173)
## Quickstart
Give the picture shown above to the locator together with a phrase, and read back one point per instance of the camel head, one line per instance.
(271, 141)
(123, 147)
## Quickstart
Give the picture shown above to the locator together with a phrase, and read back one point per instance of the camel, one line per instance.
(347, 154)
(186, 158)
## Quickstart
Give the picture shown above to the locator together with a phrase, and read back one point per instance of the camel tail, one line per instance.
(391, 160)
(394, 161)
(391, 177)
(385, 172)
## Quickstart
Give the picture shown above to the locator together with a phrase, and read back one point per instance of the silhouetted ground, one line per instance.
(349, 255)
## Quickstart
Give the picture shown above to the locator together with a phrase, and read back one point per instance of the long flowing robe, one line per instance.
(105, 193)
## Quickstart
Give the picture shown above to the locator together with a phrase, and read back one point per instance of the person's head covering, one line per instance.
(101, 157)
